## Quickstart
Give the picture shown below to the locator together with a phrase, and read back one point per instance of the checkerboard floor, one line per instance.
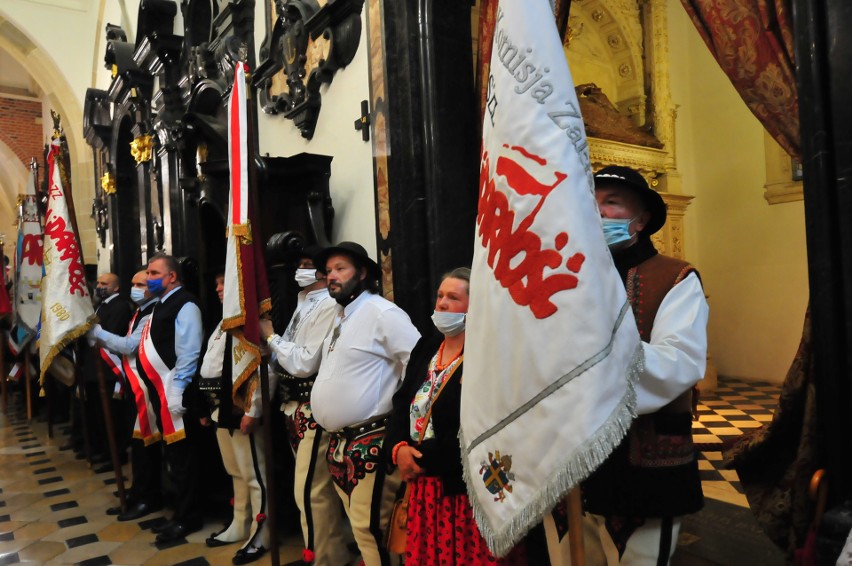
(734, 408)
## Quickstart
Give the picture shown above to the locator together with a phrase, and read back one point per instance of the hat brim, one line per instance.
(372, 267)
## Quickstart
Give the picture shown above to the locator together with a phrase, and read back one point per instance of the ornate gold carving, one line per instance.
(614, 41)
(140, 148)
(624, 70)
(318, 51)
(597, 15)
(108, 183)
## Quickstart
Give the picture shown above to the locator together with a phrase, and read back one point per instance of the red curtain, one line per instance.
(753, 42)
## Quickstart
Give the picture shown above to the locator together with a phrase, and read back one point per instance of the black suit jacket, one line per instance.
(114, 317)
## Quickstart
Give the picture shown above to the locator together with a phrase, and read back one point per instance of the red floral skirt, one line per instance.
(442, 531)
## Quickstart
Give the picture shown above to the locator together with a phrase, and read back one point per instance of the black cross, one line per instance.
(363, 123)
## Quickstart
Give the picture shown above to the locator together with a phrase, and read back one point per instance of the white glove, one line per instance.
(92, 335)
(175, 400)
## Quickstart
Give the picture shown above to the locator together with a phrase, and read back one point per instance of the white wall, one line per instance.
(751, 255)
(351, 182)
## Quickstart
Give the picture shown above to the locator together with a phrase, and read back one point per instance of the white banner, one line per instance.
(28, 260)
(67, 312)
(552, 350)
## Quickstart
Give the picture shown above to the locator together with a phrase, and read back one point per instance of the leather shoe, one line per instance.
(246, 555)
(139, 510)
(178, 530)
(213, 542)
(157, 529)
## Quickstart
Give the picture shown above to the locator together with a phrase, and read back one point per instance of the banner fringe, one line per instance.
(69, 337)
(586, 459)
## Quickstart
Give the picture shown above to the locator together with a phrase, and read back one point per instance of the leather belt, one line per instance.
(297, 388)
(358, 430)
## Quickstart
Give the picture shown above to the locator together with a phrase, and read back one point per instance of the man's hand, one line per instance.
(92, 335)
(266, 329)
(408, 468)
(248, 424)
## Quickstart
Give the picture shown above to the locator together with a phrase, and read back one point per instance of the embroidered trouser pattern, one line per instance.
(366, 490)
(324, 526)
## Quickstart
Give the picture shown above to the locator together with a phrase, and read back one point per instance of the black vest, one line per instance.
(163, 324)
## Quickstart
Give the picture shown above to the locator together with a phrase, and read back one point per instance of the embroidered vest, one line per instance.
(654, 471)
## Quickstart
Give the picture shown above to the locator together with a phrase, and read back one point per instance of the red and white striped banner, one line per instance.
(246, 294)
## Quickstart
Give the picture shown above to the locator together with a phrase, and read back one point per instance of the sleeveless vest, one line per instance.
(163, 324)
(158, 358)
(654, 471)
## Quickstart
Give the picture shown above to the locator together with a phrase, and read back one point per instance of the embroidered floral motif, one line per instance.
(359, 457)
(300, 423)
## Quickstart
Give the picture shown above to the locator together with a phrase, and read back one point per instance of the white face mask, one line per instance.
(449, 323)
(137, 295)
(305, 277)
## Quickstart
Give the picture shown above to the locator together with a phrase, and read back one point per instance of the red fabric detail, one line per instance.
(261, 517)
(525, 279)
(442, 531)
(752, 40)
(308, 556)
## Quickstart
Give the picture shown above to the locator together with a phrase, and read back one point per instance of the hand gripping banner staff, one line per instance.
(246, 294)
(552, 350)
(67, 312)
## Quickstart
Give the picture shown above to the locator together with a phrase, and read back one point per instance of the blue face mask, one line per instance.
(155, 286)
(616, 230)
(137, 295)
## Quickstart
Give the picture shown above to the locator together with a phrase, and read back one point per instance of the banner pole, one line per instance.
(575, 527)
(27, 385)
(251, 121)
(4, 375)
(113, 450)
(48, 396)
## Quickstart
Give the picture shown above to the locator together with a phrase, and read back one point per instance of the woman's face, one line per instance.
(452, 295)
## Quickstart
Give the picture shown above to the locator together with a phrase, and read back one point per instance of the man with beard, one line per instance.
(363, 361)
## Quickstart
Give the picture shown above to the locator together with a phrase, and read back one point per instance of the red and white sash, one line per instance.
(161, 376)
(145, 428)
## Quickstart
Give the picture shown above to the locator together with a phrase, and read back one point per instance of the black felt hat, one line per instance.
(311, 251)
(630, 178)
(353, 250)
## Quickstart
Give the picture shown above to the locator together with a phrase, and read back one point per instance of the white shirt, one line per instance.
(299, 351)
(362, 363)
(676, 357)
(212, 366)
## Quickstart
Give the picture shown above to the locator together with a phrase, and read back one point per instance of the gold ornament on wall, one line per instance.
(140, 148)
(108, 183)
